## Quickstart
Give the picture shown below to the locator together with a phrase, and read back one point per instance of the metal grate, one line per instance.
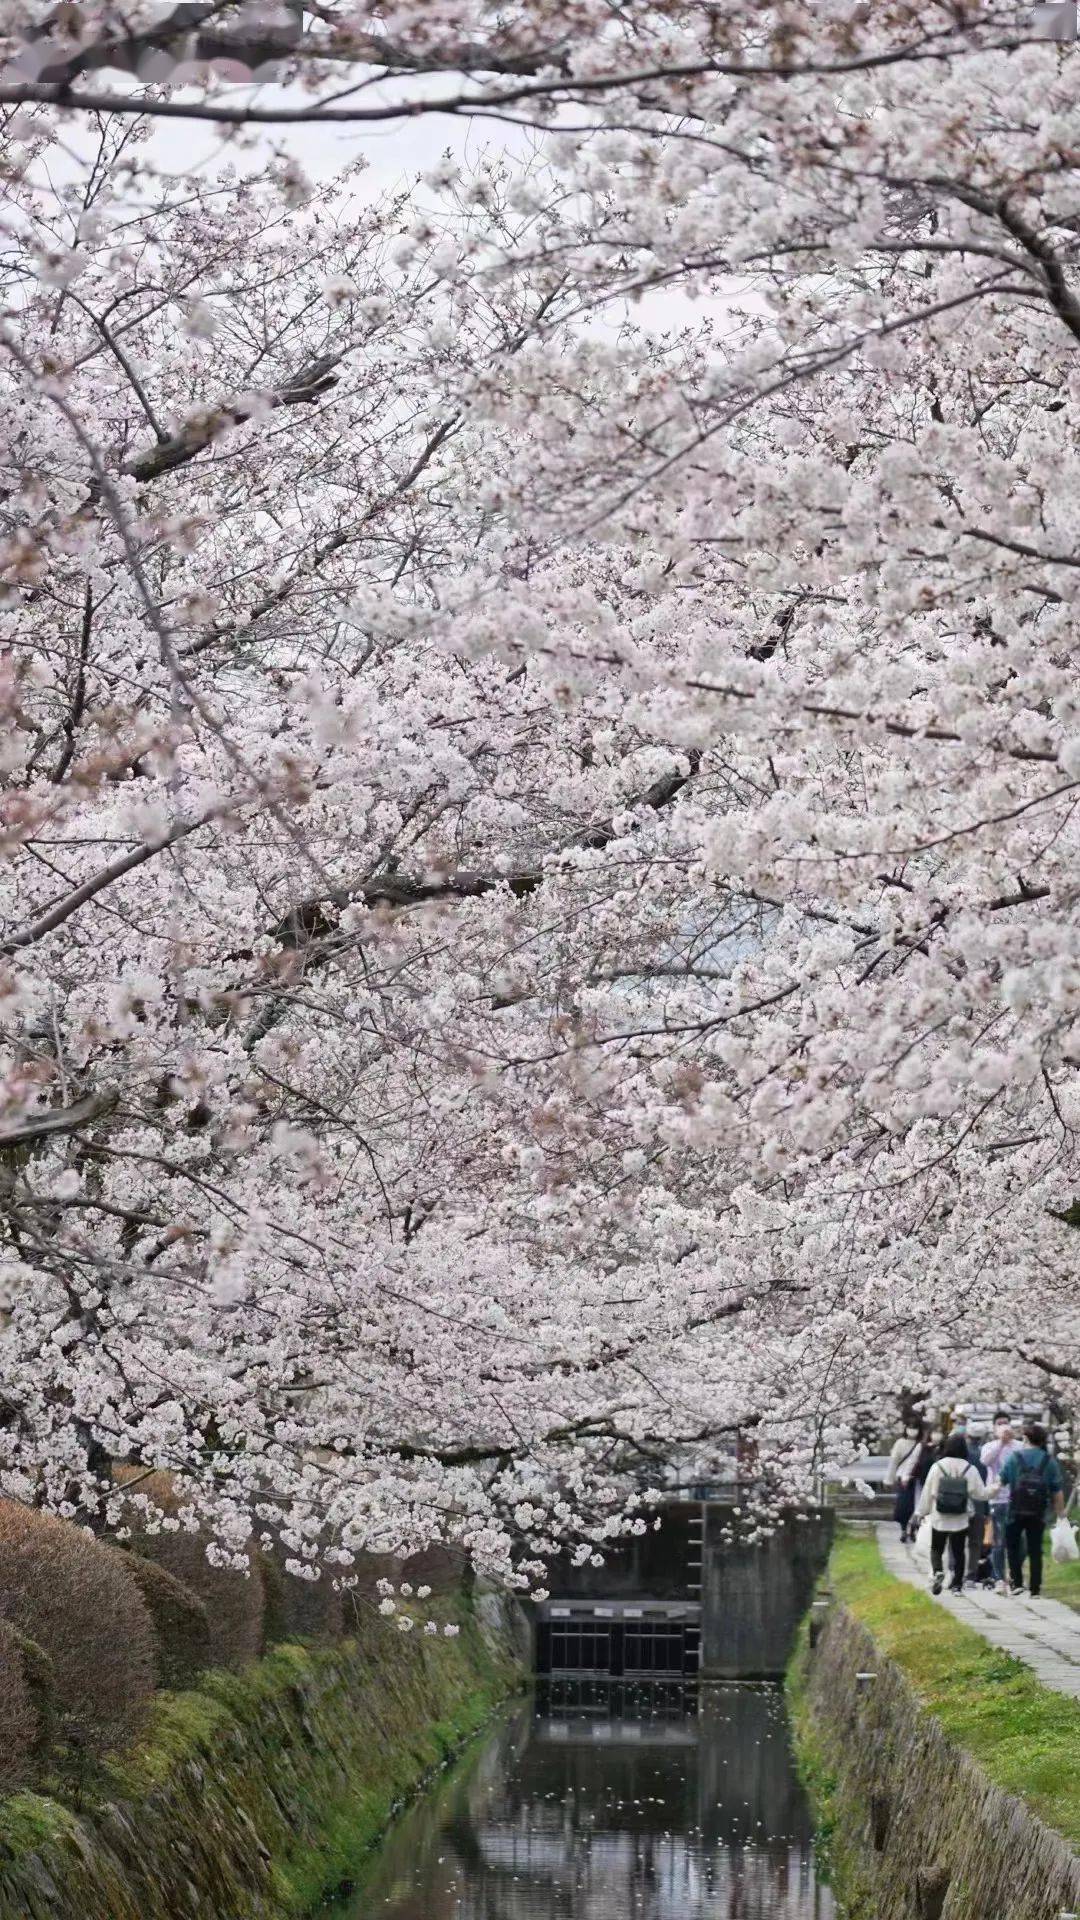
(638, 1649)
(654, 1647)
(579, 1647)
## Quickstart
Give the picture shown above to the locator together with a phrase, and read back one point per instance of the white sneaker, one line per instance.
(1000, 1586)
(937, 1583)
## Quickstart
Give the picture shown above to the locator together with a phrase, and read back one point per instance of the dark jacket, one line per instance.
(1031, 1460)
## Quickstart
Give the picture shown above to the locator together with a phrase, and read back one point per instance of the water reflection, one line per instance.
(603, 1801)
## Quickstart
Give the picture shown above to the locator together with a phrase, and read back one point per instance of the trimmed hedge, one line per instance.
(20, 1727)
(181, 1623)
(235, 1602)
(76, 1601)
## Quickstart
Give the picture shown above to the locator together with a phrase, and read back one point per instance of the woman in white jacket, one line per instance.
(952, 1484)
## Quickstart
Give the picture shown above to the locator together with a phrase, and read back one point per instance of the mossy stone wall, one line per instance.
(911, 1829)
(259, 1792)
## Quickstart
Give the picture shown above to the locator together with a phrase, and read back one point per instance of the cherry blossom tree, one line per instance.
(539, 919)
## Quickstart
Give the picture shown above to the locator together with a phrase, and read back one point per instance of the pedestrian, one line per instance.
(980, 1511)
(952, 1484)
(962, 1431)
(931, 1452)
(994, 1456)
(900, 1473)
(1033, 1478)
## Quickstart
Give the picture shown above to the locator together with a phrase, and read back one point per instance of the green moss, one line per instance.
(180, 1725)
(1025, 1738)
(352, 1826)
(838, 1860)
(31, 1821)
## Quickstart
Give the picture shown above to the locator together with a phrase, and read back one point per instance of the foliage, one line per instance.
(540, 845)
(1025, 1737)
(76, 1601)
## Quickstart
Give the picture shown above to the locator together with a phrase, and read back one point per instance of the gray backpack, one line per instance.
(951, 1497)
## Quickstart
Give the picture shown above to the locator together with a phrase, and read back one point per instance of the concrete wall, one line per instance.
(754, 1596)
(655, 1565)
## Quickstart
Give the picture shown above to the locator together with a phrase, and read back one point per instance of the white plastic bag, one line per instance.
(922, 1538)
(1063, 1545)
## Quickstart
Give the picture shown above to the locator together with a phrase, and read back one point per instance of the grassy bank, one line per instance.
(260, 1792)
(1025, 1738)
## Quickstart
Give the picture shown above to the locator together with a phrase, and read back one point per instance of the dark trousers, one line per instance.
(904, 1505)
(957, 1543)
(1021, 1535)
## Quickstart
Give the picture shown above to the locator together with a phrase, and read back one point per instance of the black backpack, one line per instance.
(1030, 1492)
(952, 1492)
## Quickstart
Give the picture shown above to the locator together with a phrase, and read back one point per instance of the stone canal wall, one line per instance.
(912, 1829)
(260, 1792)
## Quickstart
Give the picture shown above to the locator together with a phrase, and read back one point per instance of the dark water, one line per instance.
(601, 1801)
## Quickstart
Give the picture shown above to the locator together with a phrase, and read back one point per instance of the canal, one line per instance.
(608, 1801)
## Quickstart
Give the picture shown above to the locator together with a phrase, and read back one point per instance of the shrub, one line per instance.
(21, 1731)
(74, 1598)
(300, 1609)
(436, 1567)
(234, 1601)
(181, 1623)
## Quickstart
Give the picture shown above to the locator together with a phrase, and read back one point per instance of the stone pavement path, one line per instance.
(1042, 1633)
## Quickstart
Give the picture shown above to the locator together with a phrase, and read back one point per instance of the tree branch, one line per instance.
(1056, 1367)
(40, 1126)
(204, 428)
(63, 909)
(310, 919)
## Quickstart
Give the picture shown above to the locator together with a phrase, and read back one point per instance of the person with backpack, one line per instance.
(953, 1486)
(979, 1516)
(1033, 1478)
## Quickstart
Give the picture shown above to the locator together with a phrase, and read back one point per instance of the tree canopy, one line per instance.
(541, 750)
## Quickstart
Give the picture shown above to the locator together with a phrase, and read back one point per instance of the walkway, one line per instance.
(1042, 1633)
